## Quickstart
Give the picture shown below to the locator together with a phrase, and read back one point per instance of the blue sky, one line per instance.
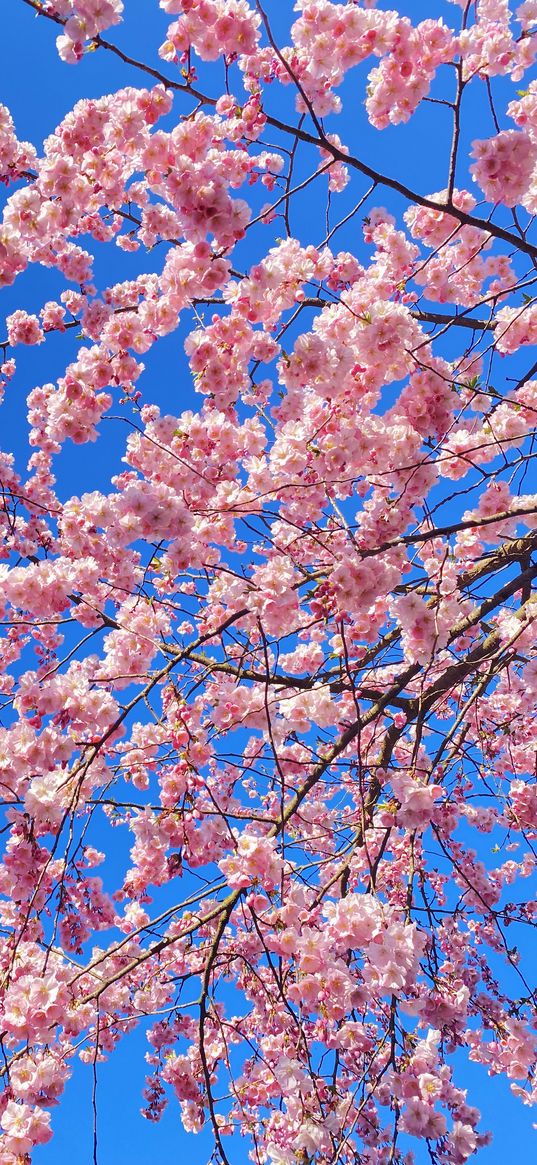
(39, 90)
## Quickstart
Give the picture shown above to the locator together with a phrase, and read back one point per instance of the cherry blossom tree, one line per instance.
(267, 751)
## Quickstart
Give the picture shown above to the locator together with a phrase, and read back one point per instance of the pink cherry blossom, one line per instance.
(268, 667)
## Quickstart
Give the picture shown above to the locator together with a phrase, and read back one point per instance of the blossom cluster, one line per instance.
(268, 668)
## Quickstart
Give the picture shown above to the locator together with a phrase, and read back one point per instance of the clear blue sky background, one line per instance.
(39, 90)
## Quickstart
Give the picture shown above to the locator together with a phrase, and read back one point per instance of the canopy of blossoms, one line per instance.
(267, 741)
